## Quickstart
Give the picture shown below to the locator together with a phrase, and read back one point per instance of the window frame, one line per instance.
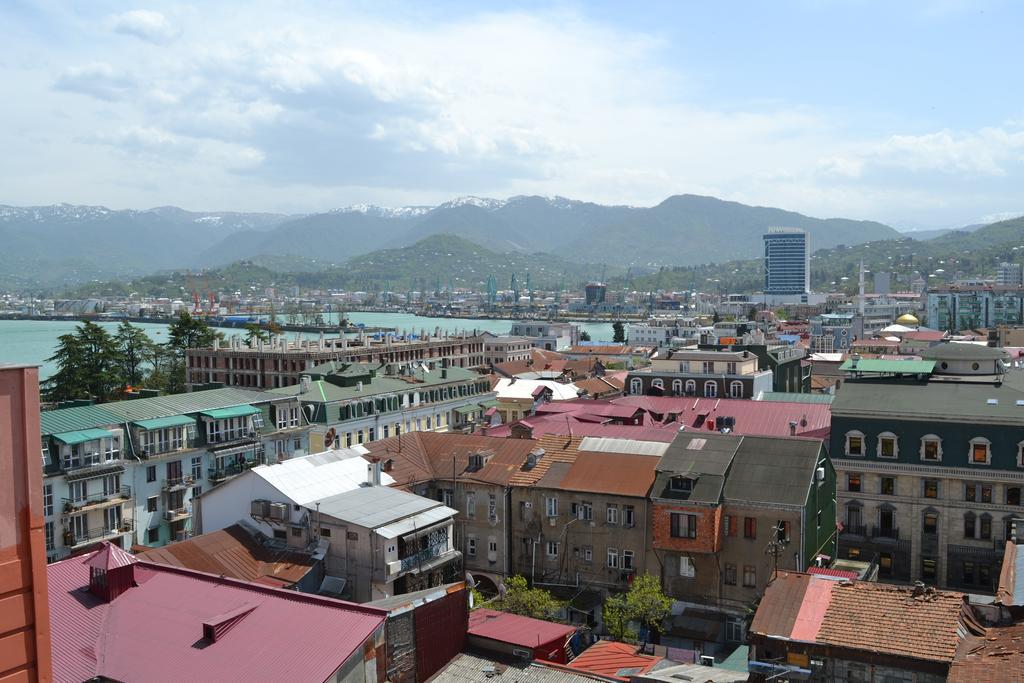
(689, 530)
(687, 568)
(888, 436)
(927, 439)
(973, 444)
(856, 434)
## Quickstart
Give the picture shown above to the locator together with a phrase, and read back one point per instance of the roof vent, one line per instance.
(992, 401)
(216, 627)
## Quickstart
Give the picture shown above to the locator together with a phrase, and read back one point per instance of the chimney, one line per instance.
(373, 472)
(792, 427)
(216, 343)
(359, 386)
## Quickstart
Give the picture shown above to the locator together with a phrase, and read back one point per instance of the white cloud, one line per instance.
(162, 145)
(97, 79)
(144, 24)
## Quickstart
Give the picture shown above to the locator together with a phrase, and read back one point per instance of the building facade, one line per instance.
(548, 336)
(127, 472)
(506, 349)
(786, 262)
(969, 308)
(712, 374)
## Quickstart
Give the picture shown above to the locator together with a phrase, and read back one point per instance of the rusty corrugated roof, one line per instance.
(611, 473)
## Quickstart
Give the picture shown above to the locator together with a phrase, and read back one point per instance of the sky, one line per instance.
(910, 113)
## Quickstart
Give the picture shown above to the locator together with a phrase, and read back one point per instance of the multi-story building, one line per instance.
(380, 541)
(657, 334)
(1009, 275)
(790, 371)
(729, 511)
(127, 472)
(548, 336)
(969, 308)
(506, 349)
(930, 464)
(354, 403)
(732, 374)
(280, 363)
(786, 262)
(471, 474)
(832, 332)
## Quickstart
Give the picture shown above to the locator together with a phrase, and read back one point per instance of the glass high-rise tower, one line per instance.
(786, 262)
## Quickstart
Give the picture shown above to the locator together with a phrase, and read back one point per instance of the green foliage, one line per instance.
(584, 335)
(134, 351)
(254, 333)
(616, 621)
(646, 602)
(189, 333)
(528, 602)
(618, 332)
(88, 365)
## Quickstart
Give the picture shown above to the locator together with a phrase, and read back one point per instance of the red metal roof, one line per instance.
(608, 658)
(154, 630)
(516, 630)
(828, 571)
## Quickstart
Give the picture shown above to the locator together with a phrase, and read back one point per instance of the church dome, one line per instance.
(908, 320)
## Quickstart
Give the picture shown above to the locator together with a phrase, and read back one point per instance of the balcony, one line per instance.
(423, 560)
(75, 541)
(98, 500)
(219, 474)
(177, 483)
(177, 514)
(854, 530)
(885, 532)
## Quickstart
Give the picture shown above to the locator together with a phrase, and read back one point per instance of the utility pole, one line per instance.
(776, 546)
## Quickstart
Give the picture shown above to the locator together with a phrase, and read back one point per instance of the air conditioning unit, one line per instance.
(260, 508)
(278, 512)
(552, 521)
(706, 660)
(820, 472)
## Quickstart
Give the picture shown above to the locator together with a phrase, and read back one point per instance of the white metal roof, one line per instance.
(374, 506)
(524, 388)
(420, 521)
(312, 477)
(603, 444)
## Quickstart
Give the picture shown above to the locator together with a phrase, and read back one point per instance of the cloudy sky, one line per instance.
(910, 113)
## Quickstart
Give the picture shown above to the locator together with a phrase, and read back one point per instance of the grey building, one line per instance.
(786, 261)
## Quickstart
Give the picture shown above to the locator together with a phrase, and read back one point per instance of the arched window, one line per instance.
(636, 386)
(855, 443)
(931, 448)
(677, 387)
(980, 451)
(736, 389)
(658, 383)
(710, 389)
(888, 445)
(691, 389)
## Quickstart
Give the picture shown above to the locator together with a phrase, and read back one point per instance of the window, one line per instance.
(686, 568)
(470, 504)
(968, 572)
(552, 548)
(981, 451)
(930, 488)
(730, 574)
(584, 511)
(734, 630)
(153, 535)
(1013, 495)
(931, 523)
(636, 386)
(280, 534)
(710, 389)
(984, 577)
(197, 467)
(677, 387)
(708, 367)
(297, 531)
(888, 487)
(325, 532)
(691, 387)
(980, 493)
(683, 525)
(48, 532)
(588, 554)
(470, 546)
(729, 525)
(492, 545)
(749, 527)
(628, 517)
(492, 507)
(612, 514)
(985, 527)
(151, 474)
(680, 484)
(888, 445)
(730, 368)
(736, 389)
(48, 500)
(551, 506)
(931, 448)
(658, 383)
(613, 558)
(448, 497)
(197, 491)
(854, 443)
(627, 559)
(749, 576)
(853, 483)
(151, 504)
(782, 530)
(885, 564)
(928, 569)
(969, 524)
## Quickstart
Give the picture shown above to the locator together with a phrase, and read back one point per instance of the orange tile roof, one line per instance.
(557, 448)
(891, 620)
(425, 456)
(615, 660)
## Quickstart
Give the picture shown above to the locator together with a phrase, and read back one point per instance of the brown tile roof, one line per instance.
(597, 387)
(782, 600)
(557, 448)
(235, 553)
(996, 657)
(611, 473)
(425, 456)
(1008, 575)
(602, 350)
(891, 620)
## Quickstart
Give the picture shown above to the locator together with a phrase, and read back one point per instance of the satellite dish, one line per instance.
(502, 590)
(470, 581)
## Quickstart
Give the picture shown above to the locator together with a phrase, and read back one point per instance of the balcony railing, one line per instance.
(422, 556)
(71, 539)
(96, 499)
(178, 483)
(854, 530)
(219, 474)
(177, 514)
(885, 532)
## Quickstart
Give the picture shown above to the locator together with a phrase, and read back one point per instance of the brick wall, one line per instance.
(709, 529)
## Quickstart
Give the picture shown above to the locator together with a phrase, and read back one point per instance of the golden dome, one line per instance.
(908, 320)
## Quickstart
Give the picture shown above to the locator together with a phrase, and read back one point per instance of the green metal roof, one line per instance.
(322, 391)
(467, 410)
(81, 436)
(74, 419)
(165, 422)
(877, 365)
(226, 413)
(792, 397)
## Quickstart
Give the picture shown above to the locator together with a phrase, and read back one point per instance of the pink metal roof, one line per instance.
(837, 573)
(812, 610)
(109, 557)
(514, 629)
(154, 630)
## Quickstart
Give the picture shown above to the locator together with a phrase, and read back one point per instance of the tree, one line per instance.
(134, 350)
(529, 602)
(584, 335)
(69, 382)
(646, 603)
(715, 318)
(618, 332)
(87, 365)
(189, 333)
(752, 313)
(254, 333)
(613, 614)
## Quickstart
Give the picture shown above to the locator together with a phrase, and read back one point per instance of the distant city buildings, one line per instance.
(1009, 275)
(955, 309)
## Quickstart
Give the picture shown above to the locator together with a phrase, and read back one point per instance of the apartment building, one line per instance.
(353, 403)
(127, 472)
(471, 474)
(506, 349)
(376, 540)
(280, 362)
(974, 307)
(546, 335)
(712, 374)
(787, 261)
(791, 372)
(931, 465)
(729, 511)
(657, 334)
